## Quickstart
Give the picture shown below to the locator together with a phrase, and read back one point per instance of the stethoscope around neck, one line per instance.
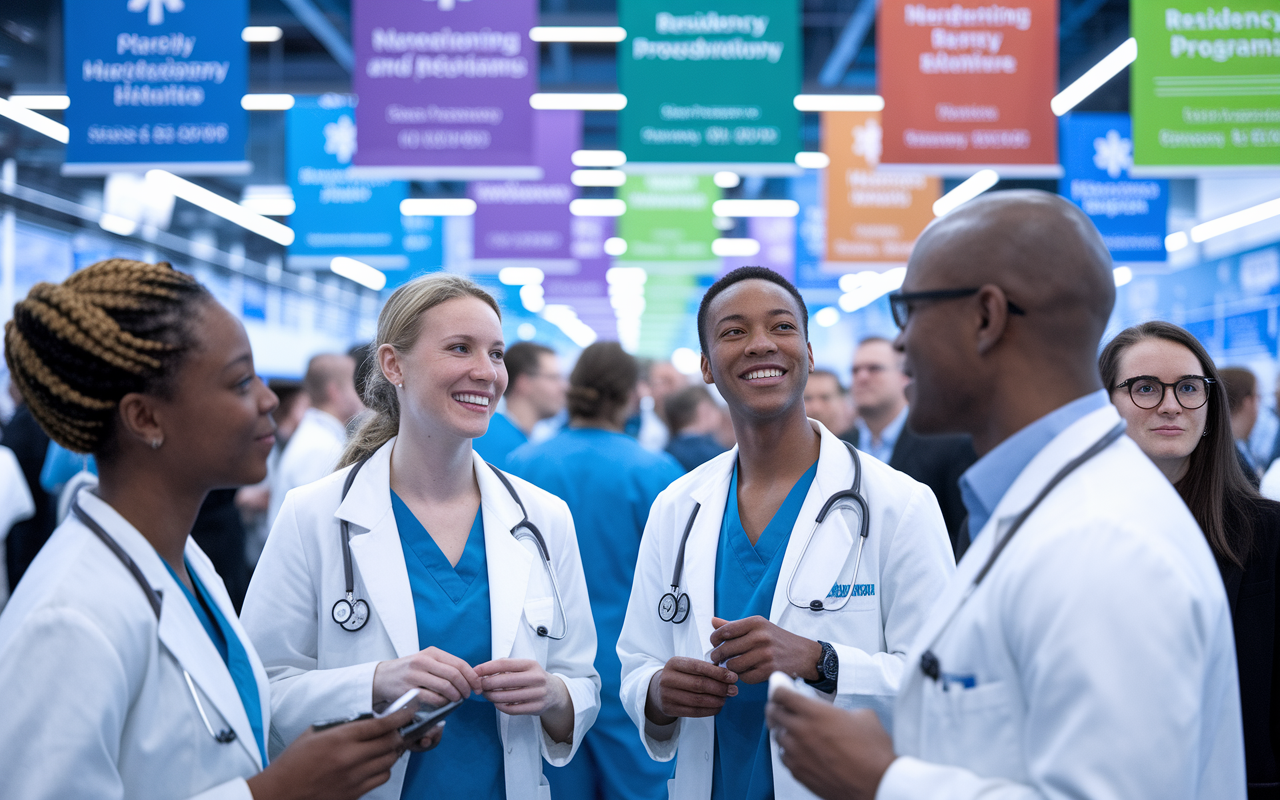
(673, 606)
(352, 613)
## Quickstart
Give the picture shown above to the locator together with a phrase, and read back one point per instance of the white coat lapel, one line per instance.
(509, 560)
(700, 554)
(829, 549)
(180, 630)
(377, 553)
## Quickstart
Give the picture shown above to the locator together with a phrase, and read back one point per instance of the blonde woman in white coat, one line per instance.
(461, 601)
(123, 670)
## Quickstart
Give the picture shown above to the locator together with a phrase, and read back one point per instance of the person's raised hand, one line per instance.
(688, 687)
(755, 648)
(442, 676)
(339, 763)
(837, 754)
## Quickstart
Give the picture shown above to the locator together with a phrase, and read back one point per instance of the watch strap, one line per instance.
(828, 669)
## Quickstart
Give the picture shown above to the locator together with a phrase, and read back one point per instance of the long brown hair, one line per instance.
(399, 325)
(1215, 487)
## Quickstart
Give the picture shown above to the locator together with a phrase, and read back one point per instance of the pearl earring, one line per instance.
(155, 443)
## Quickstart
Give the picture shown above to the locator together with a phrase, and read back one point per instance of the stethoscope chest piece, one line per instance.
(351, 614)
(673, 609)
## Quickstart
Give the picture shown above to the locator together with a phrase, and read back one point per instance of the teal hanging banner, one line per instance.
(710, 86)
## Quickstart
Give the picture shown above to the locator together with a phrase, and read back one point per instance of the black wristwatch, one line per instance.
(828, 669)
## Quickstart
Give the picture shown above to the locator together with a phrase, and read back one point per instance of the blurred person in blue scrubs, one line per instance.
(609, 482)
(535, 392)
(694, 418)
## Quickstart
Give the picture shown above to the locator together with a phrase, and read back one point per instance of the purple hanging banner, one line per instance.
(529, 221)
(444, 88)
(587, 291)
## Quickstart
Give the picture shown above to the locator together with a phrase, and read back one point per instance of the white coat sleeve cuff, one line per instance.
(326, 693)
(585, 696)
(237, 789)
(659, 733)
(912, 779)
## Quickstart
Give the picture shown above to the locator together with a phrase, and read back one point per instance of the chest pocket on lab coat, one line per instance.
(956, 718)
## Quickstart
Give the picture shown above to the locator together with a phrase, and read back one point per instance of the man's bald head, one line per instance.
(330, 385)
(1027, 340)
(1041, 249)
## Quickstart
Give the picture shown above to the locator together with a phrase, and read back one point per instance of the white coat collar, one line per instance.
(376, 549)
(180, 630)
(835, 473)
(1073, 441)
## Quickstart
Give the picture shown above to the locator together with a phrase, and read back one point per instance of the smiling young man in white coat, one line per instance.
(1087, 653)
(683, 677)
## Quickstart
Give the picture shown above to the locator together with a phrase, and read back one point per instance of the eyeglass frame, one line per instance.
(1127, 384)
(900, 299)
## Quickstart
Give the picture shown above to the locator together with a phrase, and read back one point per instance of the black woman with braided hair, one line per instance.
(124, 672)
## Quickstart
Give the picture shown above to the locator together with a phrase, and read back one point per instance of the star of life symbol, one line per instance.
(447, 5)
(1113, 153)
(155, 9)
(340, 139)
(868, 141)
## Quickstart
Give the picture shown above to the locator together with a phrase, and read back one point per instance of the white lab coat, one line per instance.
(92, 687)
(312, 452)
(1100, 646)
(319, 670)
(907, 557)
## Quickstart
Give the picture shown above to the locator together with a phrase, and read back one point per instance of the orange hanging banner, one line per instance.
(967, 84)
(873, 216)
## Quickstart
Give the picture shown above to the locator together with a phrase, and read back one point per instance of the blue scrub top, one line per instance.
(230, 648)
(452, 609)
(498, 442)
(746, 577)
(609, 483)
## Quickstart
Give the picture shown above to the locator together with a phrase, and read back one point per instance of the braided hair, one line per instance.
(75, 349)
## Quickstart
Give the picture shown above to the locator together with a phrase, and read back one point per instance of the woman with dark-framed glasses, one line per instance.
(1167, 389)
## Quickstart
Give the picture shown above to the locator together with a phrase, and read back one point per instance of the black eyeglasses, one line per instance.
(1147, 391)
(900, 302)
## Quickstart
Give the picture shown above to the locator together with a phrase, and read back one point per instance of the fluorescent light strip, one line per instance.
(730, 248)
(262, 33)
(112, 223)
(577, 33)
(1098, 74)
(976, 185)
(1176, 241)
(598, 158)
(267, 102)
(573, 101)
(598, 177)
(755, 208)
(217, 204)
(597, 207)
(813, 160)
(839, 102)
(359, 272)
(270, 206)
(520, 276)
(615, 246)
(1232, 222)
(42, 102)
(36, 122)
(438, 207)
(726, 179)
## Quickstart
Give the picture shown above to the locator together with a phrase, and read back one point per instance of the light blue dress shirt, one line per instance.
(888, 437)
(983, 485)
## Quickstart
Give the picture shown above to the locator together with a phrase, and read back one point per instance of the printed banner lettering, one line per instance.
(155, 83)
(444, 84)
(873, 216)
(1131, 215)
(1205, 90)
(969, 83)
(709, 85)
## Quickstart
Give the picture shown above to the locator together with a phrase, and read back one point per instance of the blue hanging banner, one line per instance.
(336, 214)
(1132, 215)
(156, 84)
(811, 232)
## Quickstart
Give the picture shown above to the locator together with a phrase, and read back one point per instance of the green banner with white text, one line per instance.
(708, 83)
(1206, 86)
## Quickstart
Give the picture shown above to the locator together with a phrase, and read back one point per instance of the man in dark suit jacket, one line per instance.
(935, 461)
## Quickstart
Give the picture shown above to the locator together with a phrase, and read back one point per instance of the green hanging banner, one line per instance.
(1205, 87)
(710, 86)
